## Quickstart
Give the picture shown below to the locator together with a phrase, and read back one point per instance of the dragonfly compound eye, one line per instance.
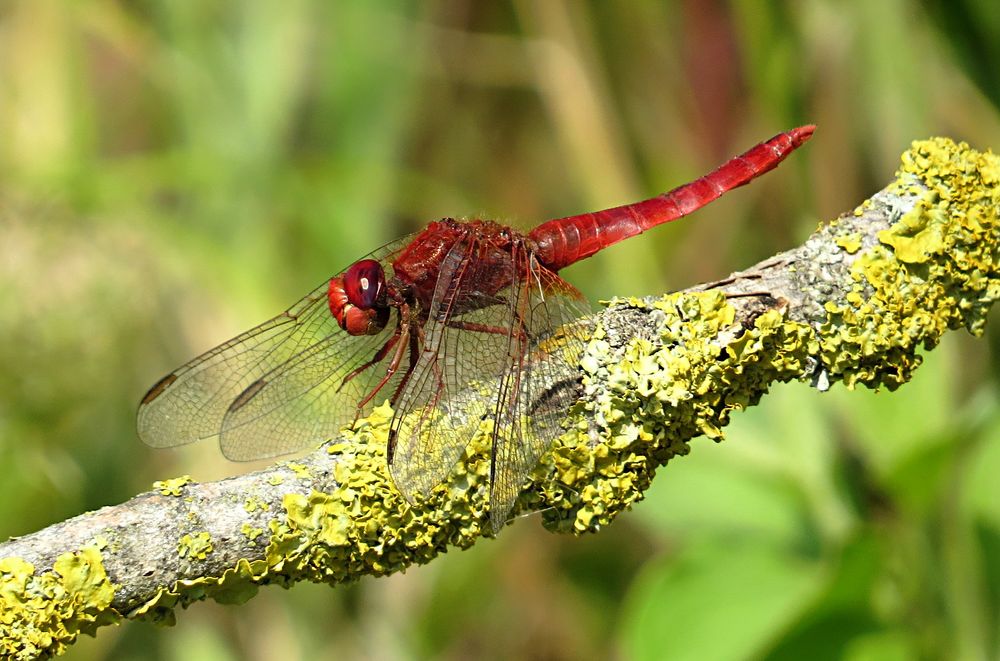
(358, 300)
(364, 283)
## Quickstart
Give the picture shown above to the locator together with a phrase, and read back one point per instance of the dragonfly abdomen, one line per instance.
(563, 241)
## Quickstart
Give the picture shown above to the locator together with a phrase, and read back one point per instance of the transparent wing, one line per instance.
(536, 393)
(305, 400)
(271, 390)
(429, 428)
(489, 357)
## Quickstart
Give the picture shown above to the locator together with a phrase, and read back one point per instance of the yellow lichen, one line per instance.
(172, 487)
(42, 613)
(196, 546)
(253, 503)
(935, 268)
(366, 526)
(851, 243)
(646, 406)
(251, 532)
(236, 585)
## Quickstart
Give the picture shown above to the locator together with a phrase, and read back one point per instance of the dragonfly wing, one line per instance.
(540, 384)
(429, 431)
(192, 402)
(304, 400)
(475, 372)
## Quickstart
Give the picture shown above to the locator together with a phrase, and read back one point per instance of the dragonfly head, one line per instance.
(358, 298)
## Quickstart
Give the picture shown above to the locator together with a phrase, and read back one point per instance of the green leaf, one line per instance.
(981, 490)
(726, 601)
(891, 427)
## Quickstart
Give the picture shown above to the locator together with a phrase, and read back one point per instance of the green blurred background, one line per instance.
(173, 172)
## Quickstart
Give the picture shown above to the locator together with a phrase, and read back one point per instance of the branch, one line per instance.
(853, 304)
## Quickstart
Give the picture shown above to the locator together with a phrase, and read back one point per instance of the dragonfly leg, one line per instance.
(397, 357)
(485, 328)
(414, 355)
(376, 359)
(439, 377)
(415, 340)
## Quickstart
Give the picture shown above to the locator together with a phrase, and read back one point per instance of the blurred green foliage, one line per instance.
(173, 172)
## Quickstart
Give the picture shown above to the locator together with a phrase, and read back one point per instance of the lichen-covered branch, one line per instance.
(851, 305)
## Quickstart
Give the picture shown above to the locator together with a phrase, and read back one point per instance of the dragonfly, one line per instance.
(462, 327)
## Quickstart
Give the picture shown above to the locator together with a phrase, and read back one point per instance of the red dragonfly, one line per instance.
(456, 326)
